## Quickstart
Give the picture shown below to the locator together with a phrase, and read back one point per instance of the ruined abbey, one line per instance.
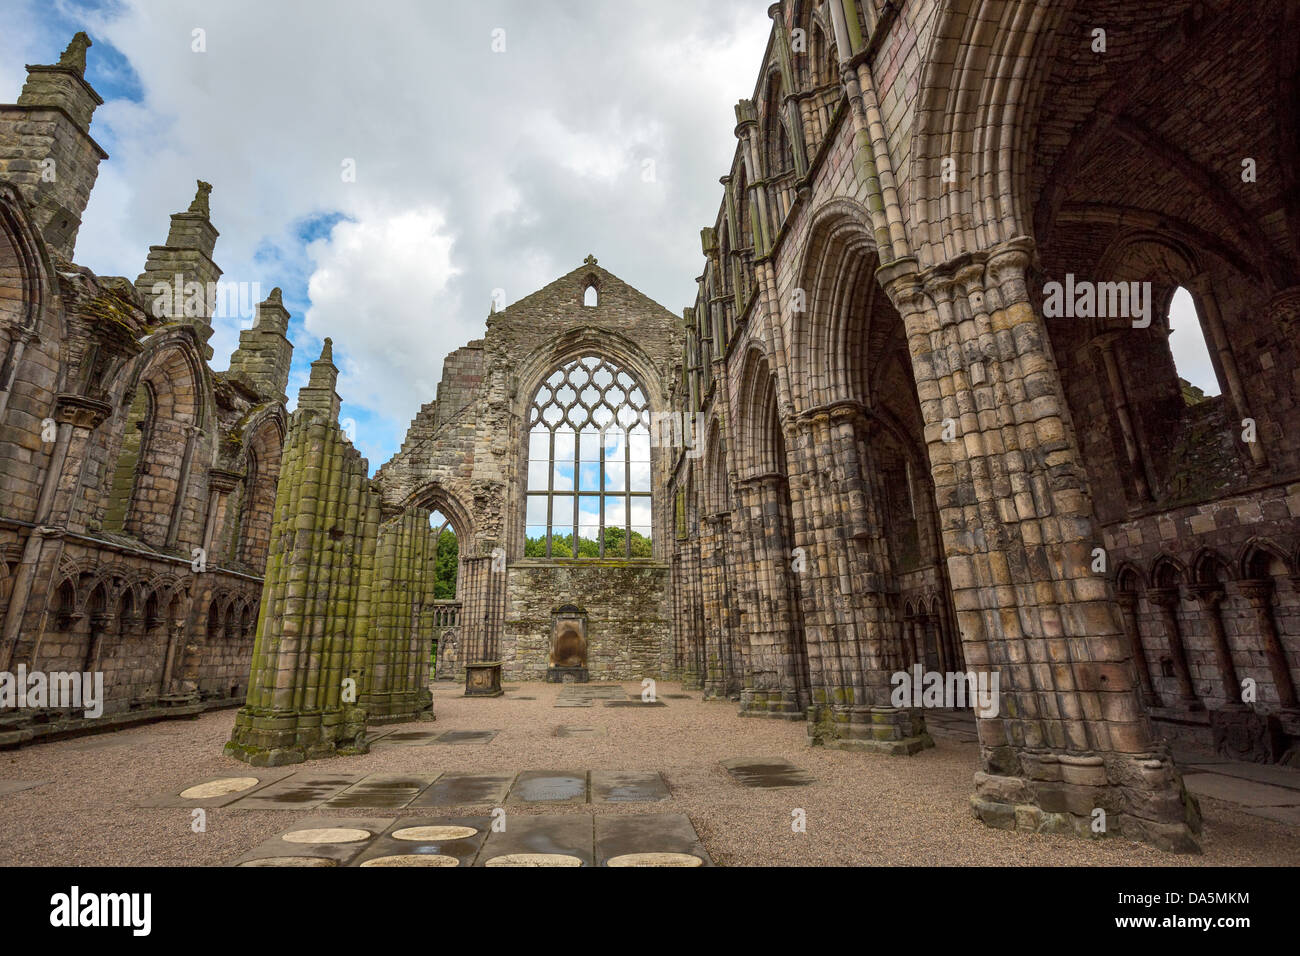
(922, 416)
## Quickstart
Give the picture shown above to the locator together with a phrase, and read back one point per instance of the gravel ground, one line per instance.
(864, 809)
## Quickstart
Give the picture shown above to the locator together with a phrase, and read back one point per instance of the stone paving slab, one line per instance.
(381, 791)
(768, 773)
(568, 835)
(572, 731)
(263, 775)
(467, 737)
(1289, 815)
(304, 790)
(324, 854)
(628, 786)
(15, 786)
(562, 702)
(408, 738)
(647, 833)
(1258, 772)
(593, 691)
(549, 786)
(635, 702)
(459, 788)
(464, 849)
(1247, 793)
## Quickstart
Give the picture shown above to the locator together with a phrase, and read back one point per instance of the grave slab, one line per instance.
(571, 731)
(567, 835)
(414, 843)
(264, 777)
(549, 786)
(325, 854)
(460, 788)
(467, 737)
(628, 786)
(647, 833)
(386, 791)
(767, 773)
(304, 790)
(1247, 793)
(15, 786)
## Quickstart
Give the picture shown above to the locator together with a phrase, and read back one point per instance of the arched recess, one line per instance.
(31, 337)
(156, 504)
(262, 453)
(778, 675)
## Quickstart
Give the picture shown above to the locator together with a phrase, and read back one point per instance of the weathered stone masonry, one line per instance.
(137, 483)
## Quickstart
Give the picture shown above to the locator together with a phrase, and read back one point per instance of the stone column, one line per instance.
(1169, 599)
(309, 668)
(1210, 597)
(1137, 464)
(1259, 591)
(1128, 609)
(1018, 531)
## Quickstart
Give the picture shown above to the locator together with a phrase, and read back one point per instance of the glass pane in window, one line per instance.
(615, 476)
(589, 477)
(640, 509)
(590, 445)
(615, 512)
(614, 439)
(564, 439)
(640, 445)
(536, 510)
(640, 476)
(563, 475)
(562, 513)
(537, 471)
(539, 445)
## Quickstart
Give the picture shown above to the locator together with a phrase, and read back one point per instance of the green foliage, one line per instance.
(444, 576)
(615, 545)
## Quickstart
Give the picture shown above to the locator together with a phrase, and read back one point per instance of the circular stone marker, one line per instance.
(534, 859)
(219, 788)
(432, 834)
(655, 859)
(413, 859)
(292, 861)
(326, 835)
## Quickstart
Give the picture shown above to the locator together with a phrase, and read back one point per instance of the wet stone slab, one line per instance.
(337, 840)
(428, 836)
(766, 773)
(457, 788)
(468, 737)
(381, 791)
(647, 833)
(219, 791)
(409, 738)
(549, 786)
(570, 835)
(628, 786)
(304, 790)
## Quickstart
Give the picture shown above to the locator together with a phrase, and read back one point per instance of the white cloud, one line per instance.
(530, 159)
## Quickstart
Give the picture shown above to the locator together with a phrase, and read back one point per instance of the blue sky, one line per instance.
(475, 169)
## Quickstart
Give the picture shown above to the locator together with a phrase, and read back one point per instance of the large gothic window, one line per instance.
(588, 493)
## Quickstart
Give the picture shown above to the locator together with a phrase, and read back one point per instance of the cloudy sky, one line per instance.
(601, 127)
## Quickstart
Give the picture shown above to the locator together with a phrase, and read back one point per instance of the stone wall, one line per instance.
(628, 622)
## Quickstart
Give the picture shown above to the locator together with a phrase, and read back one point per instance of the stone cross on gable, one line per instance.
(590, 260)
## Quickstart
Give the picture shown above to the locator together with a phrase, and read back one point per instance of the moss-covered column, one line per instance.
(398, 689)
(309, 671)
